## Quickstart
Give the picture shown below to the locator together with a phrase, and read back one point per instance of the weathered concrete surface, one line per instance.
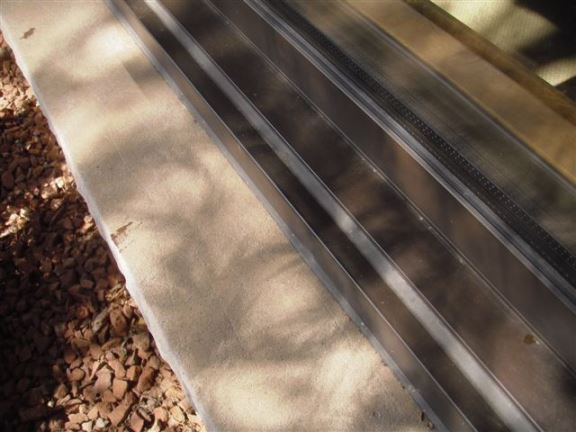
(254, 336)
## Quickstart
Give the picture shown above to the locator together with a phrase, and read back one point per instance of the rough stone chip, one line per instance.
(177, 414)
(118, 323)
(160, 414)
(146, 379)
(132, 373)
(77, 375)
(103, 382)
(119, 388)
(136, 422)
(119, 413)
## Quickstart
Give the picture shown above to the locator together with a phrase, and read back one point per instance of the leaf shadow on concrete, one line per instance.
(212, 273)
(264, 336)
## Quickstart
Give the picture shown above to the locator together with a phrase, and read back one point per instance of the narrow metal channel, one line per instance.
(438, 329)
(513, 268)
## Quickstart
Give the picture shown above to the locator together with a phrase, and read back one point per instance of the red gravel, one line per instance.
(74, 349)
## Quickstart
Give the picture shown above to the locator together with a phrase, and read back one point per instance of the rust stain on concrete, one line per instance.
(28, 33)
(120, 234)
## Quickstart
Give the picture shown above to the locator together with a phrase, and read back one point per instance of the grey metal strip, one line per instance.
(498, 398)
(516, 257)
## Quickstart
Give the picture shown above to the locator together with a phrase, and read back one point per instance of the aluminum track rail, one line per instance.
(484, 339)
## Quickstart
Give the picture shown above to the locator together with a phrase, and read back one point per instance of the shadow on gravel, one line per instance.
(75, 353)
(55, 270)
(251, 353)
